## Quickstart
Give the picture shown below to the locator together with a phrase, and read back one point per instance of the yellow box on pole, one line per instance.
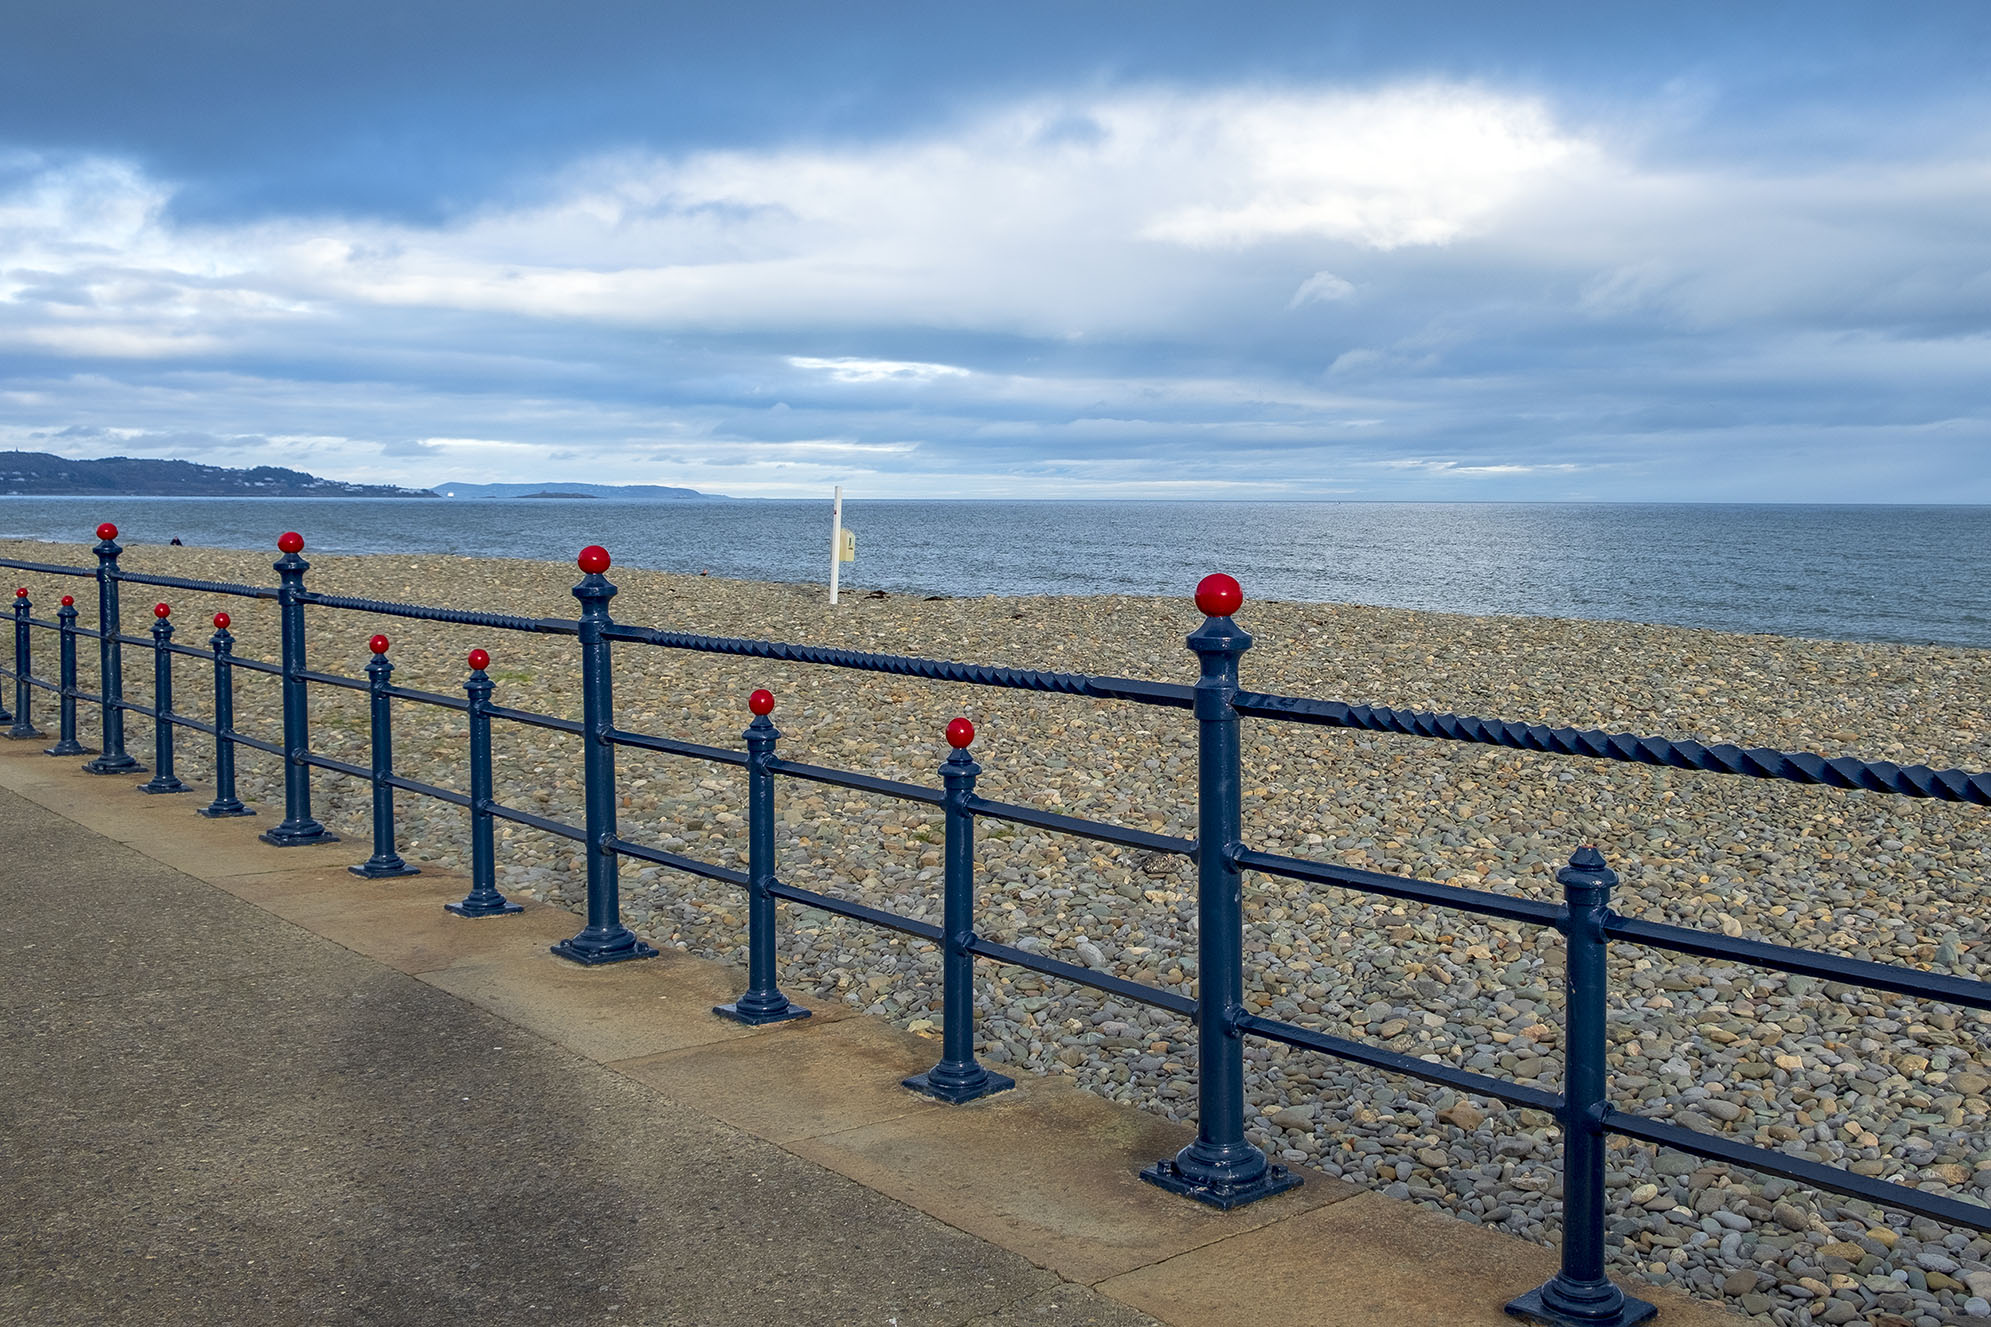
(847, 551)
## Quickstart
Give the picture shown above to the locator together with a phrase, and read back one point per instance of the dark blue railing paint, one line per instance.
(112, 757)
(604, 939)
(21, 728)
(1222, 1166)
(483, 900)
(386, 863)
(225, 803)
(762, 1001)
(65, 630)
(959, 1077)
(297, 829)
(163, 779)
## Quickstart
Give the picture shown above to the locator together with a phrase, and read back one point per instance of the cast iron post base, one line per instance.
(122, 763)
(1168, 1175)
(1589, 1306)
(384, 868)
(616, 945)
(472, 906)
(297, 834)
(164, 783)
(981, 1082)
(21, 731)
(222, 807)
(743, 1010)
(71, 747)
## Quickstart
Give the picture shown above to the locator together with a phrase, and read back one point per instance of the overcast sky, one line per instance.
(1395, 250)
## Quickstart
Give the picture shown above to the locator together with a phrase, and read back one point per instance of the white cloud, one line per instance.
(1321, 288)
(877, 370)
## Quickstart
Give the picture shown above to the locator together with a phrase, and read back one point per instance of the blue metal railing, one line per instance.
(1222, 1167)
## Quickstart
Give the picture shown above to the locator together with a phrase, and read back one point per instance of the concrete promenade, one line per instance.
(241, 1085)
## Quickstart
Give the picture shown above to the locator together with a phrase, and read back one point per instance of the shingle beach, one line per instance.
(1886, 1086)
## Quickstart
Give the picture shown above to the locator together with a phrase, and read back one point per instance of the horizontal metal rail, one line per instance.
(552, 626)
(868, 783)
(204, 587)
(1484, 902)
(1171, 694)
(1381, 1057)
(1935, 1206)
(1085, 829)
(1849, 772)
(1965, 991)
(48, 568)
(1072, 972)
(672, 746)
(891, 921)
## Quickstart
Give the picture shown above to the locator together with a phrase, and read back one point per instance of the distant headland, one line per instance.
(43, 474)
(619, 492)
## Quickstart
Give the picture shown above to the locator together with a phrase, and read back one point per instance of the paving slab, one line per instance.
(1363, 1262)
(822, 1080)
(616, 1011)
(1052, 1172)
(327, 1139)
(401, 922)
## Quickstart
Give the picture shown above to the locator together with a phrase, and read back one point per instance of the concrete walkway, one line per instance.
(241, 1085)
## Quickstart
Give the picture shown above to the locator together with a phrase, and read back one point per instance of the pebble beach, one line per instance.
(1883, 1085)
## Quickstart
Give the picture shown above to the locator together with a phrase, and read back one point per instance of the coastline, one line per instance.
(1877, 877)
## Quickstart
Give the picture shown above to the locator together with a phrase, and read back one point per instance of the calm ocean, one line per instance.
(1914, 574)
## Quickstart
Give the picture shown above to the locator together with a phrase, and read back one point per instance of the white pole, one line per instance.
(836, 542)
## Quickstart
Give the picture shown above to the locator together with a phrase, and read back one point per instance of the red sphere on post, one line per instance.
(290, 541)
(479, 660)
(761, 702)
(107, 531)
(69, 601)
(959, 733)
(378, 645)
(593, 560)
(1218, 595)
(21, 593)
(221, 621)
(162, 610)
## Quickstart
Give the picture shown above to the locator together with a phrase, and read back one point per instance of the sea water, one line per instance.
(1915, 574)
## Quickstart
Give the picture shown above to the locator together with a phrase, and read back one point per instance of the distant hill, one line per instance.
(136, 477)
(620, 492)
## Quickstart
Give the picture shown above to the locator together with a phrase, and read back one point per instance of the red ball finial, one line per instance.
(107, 531)
(162, 610)
(959, 733)
(761, 702)
(378, 645)
(221, 621)
(593, 560)
(21, 593)
(290, 541)
(1218, 595)
(69, 601)
(479, 660)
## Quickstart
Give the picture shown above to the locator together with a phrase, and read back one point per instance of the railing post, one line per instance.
(604, 939)
(225, 802)
(22, 728)
(113, 759)
(763, 1001)
(959, 1076)
(298, 828)
(1222, 1167)
(163, 779)
(1580, 1295)
(65, 741)
(483, 900)
(385, 862)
